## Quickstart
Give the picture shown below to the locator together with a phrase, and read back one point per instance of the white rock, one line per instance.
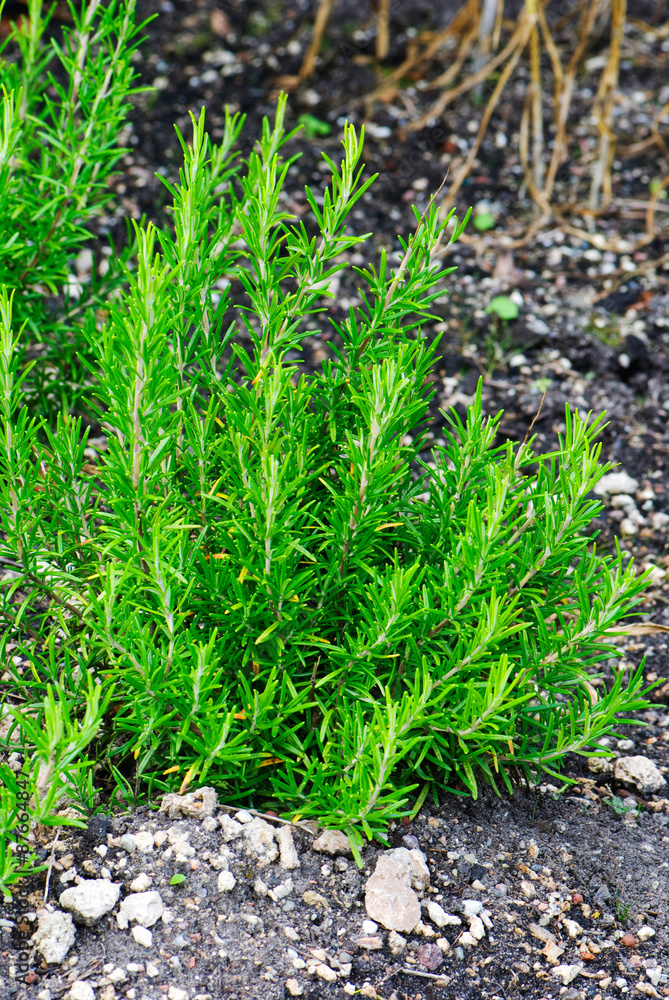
(198, 804)
(141, 883)
(291, 934)
(142, 935)
(81, 990)
(396, 943)
(657, 574)
(417, 862)
(640, 772)
(230, 827)
(174, 993)
(389, 898)
(614, 484)
(143, 908)
(528, 890)
(326, 973)
(333, 842)
(243, 816)
(476, 928)
(152, 970)
(472, 907)
(90, 900)
(467, 939)
(226, 882)
(179, 834)
(439, 916)
(259, 838)
(144, 841)
(628, 527)
(54, 935)
(573, 927)
(288, 858)
(645, 933)
(369, 927)
(294, 988)
(567, 973)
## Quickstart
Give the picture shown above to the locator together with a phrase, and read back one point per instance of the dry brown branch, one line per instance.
(382, 33)
(603, 110)
(463, 27)
(450, 95)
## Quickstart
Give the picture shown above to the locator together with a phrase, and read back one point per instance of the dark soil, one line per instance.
(593, 332)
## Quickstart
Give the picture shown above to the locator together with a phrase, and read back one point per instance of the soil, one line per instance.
(593, 331)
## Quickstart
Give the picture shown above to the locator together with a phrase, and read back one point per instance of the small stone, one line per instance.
(288, 858)
(615, 483)
(576, 898)
(152, 970)
(567, 973)
(260, 887)
(472, 907)
(372, 943)
(260, 842)
(198, 804)
(81, 990)
(439, 916)
(174, 993)
(476, 928)
(230, 828)
(312, 898)
(415, 859)
(226, 881)
(467, 939)
(291, 934)
(141, 883)
(430, 956)
(573, 927)
(142, 935)
(143, 908)
(144, 841)
(244, 817)
(541, 933)
(294, 988)
(127, 843)
(396, 943)
(369, 927)
(333, 842)
(389, 898)
(640, 772)
(210, 824)
(54, 936)
(90, 900)
(552, 951)
(628, 941)
(326, 973)
(528, 890)
(645, 933)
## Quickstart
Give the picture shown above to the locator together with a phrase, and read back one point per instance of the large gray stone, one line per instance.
(90, 900)
(389, 898)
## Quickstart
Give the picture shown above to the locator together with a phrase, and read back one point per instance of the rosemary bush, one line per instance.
(63, 106)
(259, 584)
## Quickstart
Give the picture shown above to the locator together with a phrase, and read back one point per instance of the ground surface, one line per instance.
(593, 331)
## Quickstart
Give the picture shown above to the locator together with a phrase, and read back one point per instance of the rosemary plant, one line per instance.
(259, 584)
(63, 106)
